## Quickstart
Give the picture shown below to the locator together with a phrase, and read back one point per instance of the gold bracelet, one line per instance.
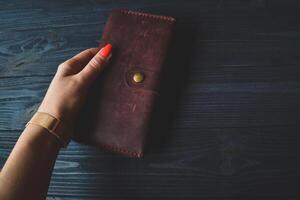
(53, 126)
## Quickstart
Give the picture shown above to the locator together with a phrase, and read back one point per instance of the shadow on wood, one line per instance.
(174, 81)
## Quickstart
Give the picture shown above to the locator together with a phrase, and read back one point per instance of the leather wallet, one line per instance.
(118, 109)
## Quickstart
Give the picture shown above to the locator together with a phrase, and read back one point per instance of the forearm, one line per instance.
(26, 174)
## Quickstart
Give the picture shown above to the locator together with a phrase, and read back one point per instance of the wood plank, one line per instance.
(50, 34)
(220, 162)
(44, 54)
(203, 104)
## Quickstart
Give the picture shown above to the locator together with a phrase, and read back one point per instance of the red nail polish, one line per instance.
(106, 51)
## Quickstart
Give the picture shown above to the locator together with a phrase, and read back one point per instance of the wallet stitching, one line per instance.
(161, 17)
(121, 150)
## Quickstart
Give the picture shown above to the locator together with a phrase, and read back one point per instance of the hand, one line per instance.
(67, 91)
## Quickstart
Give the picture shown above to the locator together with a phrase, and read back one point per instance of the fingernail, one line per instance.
(106, 51)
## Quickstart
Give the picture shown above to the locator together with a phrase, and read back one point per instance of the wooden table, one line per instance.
(228, 118)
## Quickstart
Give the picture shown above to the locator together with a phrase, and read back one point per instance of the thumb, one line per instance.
(96, 65)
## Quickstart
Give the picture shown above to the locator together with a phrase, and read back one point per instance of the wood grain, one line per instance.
(229, 113)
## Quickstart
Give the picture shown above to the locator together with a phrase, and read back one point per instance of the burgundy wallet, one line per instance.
(118, 109)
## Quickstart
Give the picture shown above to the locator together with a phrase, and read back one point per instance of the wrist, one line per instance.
(56, 127)
(35, 135)
(59, 112)
(52, 110)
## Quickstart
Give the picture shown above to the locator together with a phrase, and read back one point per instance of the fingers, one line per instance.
(84, 57)
(94, 67)
(86, 65)
(79, 61)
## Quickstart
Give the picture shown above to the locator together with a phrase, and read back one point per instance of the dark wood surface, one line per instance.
(227, 123)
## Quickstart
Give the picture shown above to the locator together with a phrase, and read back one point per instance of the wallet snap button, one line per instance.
(138, 77)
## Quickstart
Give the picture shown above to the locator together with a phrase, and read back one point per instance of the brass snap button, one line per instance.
(138, 77)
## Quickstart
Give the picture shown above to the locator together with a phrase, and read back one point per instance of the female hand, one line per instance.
(68, 89)
(27, 171)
